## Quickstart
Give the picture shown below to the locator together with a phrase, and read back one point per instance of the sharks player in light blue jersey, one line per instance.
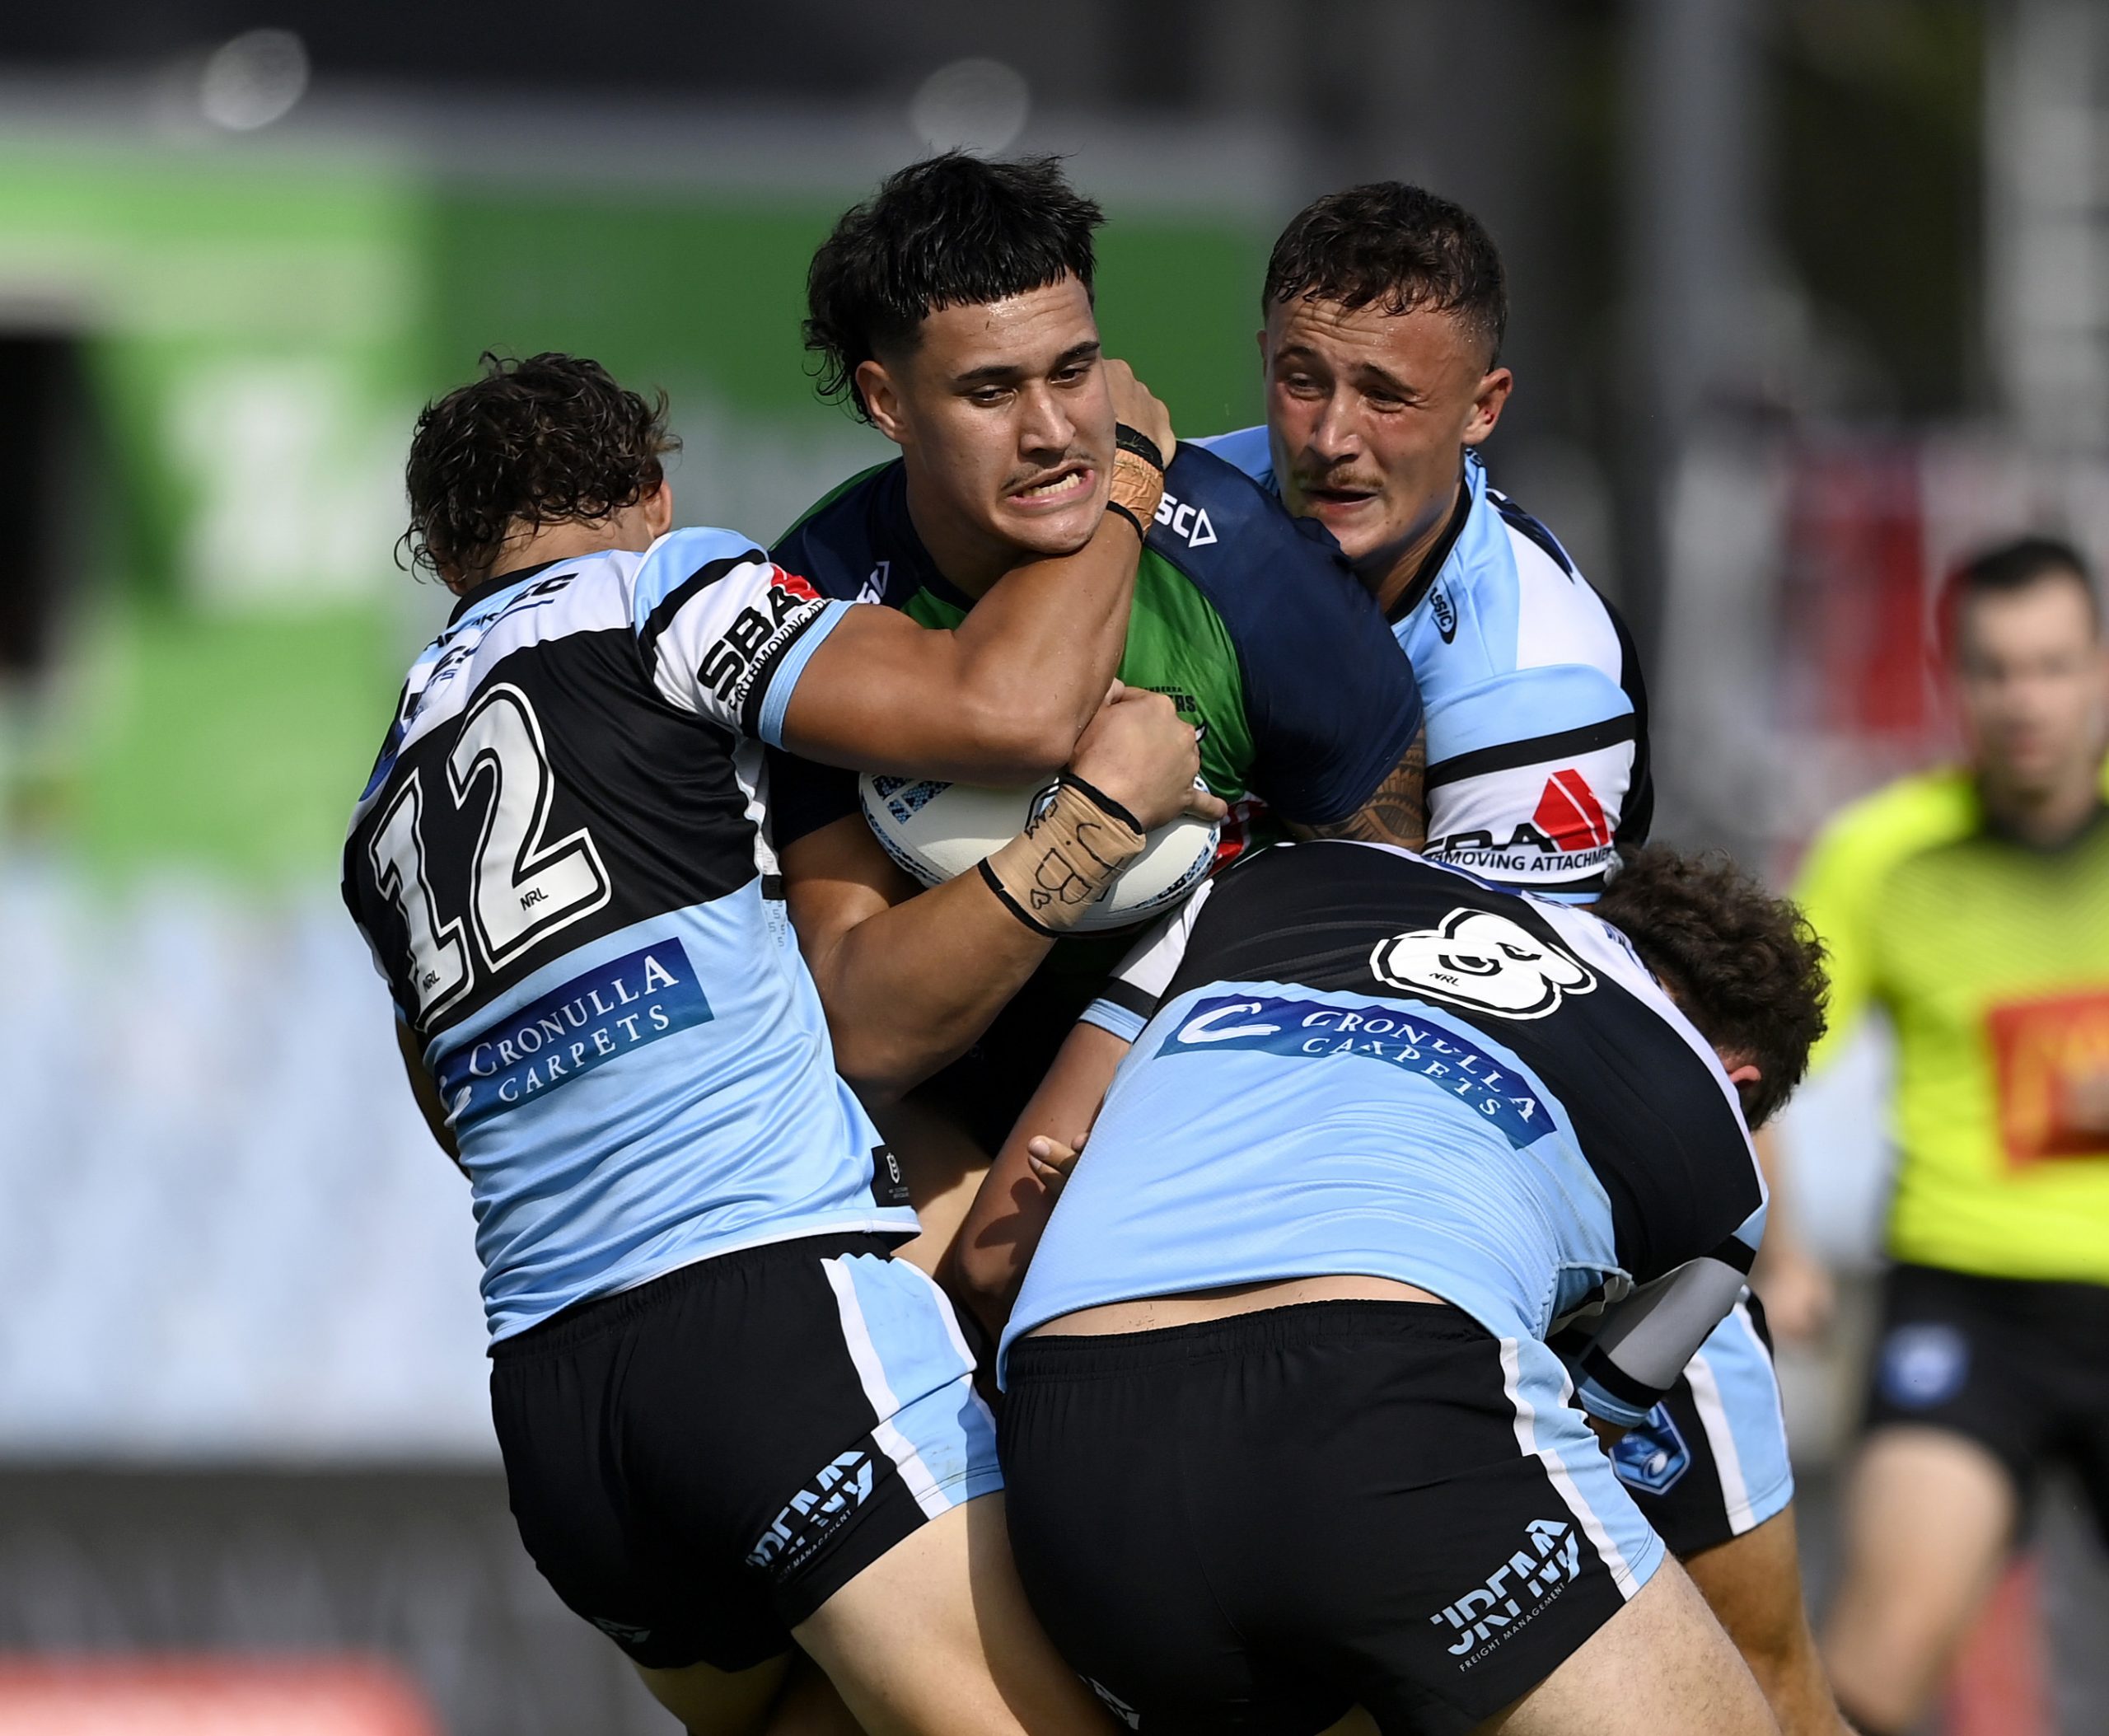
(1385, 308)
(1283, 1435)
(731, 1421)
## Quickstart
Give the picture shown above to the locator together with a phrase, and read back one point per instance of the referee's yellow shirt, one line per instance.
(1991, 959)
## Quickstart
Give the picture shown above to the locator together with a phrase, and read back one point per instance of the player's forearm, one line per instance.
(907, 990)
(1000, 699)
(997, 1242)
(1003, 1227)
(1039, 652)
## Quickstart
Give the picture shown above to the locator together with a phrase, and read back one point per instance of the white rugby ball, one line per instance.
(935, 830)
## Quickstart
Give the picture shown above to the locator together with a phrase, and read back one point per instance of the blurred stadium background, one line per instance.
(1807, 295)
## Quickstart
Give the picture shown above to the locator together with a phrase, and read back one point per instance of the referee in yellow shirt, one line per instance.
(1972, 907)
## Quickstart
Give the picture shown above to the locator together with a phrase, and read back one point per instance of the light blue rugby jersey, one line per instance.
(1356, 1062)
(558, 865)
(1537, 752)
(1538, 769)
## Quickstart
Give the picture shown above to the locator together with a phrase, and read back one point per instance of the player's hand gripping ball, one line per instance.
(935, 830)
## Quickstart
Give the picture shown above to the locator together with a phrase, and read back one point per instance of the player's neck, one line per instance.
(1398, 578)
(538, 545)
(2045, 817)
(966, 556)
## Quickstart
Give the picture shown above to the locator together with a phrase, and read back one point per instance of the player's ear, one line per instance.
(1745, 1076)
(882, 400)
(1487, 402)
(659, 509)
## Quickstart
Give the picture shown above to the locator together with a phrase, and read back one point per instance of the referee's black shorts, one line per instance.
(1253, 1524)
(2020, 1366)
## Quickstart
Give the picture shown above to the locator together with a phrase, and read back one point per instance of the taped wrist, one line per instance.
(1076, 841)
(1137, 478)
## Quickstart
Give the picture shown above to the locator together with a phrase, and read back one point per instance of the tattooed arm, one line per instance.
(1397, 813)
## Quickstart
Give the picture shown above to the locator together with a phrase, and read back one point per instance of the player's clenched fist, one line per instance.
(1135, 404)
(1142, 754)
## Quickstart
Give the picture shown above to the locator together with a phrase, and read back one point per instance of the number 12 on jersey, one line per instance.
(518, 887)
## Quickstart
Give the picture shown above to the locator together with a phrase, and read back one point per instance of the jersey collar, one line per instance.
(897, 526)
(2006, 834)
(491, 587)
(1471, 480)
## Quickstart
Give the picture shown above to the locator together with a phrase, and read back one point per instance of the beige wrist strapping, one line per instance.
(1076, 841)
(1137, 484)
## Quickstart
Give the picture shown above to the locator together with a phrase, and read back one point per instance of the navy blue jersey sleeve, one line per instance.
(1330, 696)
(830, 547)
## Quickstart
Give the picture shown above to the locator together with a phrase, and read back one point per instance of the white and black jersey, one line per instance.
(1350, 1060)
(557, 864)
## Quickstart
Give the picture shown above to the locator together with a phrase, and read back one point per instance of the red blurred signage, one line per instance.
(209, 1696)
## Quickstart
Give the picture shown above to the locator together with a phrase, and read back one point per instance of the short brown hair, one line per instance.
(546, 441)
(1398, 247)
(1745, 967)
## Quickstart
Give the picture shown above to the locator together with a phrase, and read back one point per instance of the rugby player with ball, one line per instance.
(954, 310)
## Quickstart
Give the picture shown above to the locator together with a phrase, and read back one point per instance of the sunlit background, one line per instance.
(1807, 295)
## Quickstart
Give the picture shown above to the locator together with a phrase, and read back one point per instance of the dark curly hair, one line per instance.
(950, 231)
(1401, 247)
(1746, 966)
(546, 441)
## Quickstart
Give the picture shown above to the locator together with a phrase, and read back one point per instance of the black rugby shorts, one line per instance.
(698, 1464)
(1253, 1524)
(1706, 1467)
(2020, 1366)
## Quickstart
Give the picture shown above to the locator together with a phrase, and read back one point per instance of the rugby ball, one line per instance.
(935, 830)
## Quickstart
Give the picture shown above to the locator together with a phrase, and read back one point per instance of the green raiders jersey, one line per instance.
(1249, 620)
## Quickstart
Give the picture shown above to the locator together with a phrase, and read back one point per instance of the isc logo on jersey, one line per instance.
(1188, 523)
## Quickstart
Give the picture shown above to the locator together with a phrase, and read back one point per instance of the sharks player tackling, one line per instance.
(1283, 1434)
(733, 1425)
(1385, 307)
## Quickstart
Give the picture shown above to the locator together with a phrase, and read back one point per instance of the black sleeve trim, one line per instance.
(1754, 1307)
(677, 599)
(1597, 1364)
(1735, 1251)
(1592, 884)
(1129, 999)
(757, 671)
(1637, 812)
(1508, 755)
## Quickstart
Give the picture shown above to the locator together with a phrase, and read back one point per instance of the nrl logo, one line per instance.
(1489, 963)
